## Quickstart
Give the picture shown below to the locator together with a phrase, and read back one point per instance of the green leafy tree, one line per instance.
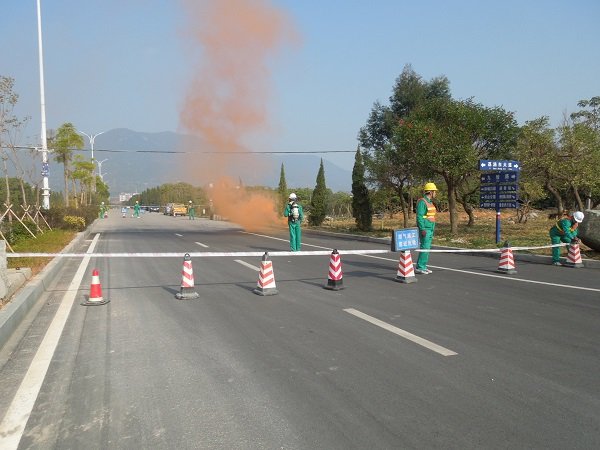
(591, 116)
(282, 189)
(82, 174)
(318, 201)
(389, 165)
(541, 164)
(362, 210)
(63, 143)
(448, 137)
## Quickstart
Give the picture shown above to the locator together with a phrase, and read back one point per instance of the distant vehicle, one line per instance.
(168, 209)
(153, 208)
(179, 209)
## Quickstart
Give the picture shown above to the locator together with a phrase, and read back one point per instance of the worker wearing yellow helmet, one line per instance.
(426, 225)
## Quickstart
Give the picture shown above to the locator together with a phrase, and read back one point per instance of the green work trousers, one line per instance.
(295, 236)
(425, 244)
(556, 250)
(192, 214)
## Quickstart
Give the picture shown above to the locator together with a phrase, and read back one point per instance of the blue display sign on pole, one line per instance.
(405, 239)
(499, 188)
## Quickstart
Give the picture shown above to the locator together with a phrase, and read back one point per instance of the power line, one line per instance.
(24, 147)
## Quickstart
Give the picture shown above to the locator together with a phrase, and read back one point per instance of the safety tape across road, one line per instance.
(258, 254)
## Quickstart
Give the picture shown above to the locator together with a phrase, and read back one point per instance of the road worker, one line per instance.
(426, 225)
(565, 230)
(295, 214)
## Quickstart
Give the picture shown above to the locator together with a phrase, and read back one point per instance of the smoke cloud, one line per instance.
(228, 97)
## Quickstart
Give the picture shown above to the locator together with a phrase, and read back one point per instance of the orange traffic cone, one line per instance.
(406, 271)
(266, 278)
(335, 280)
(507, 261)
(574, 256)
(187, 280)
(95, 297)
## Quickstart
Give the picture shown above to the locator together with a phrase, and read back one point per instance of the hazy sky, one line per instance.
(128, 63)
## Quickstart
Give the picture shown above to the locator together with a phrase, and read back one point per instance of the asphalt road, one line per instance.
(309, 368)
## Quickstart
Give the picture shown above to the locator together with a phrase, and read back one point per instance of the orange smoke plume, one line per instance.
(228, 96)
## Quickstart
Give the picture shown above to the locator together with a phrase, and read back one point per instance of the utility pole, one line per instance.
(45, 167)
(92, 138)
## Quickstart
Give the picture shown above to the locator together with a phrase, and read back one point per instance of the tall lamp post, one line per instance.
(45, 171)
(100, 174)
(92, 138)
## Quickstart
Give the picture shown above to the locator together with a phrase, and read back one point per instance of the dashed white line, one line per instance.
(177, 234)
(244, 263)
(405, 334)
(202, 245)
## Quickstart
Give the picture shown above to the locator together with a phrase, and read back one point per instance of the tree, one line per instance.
(83, 174)
(318, 201)
(388, 164)
(589, 118)
(448, 137)
(362, 210)
(63, 143)
(282, 189)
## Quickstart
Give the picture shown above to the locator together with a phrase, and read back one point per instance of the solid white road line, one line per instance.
(177, 234)
(503, 277)
(405, 334)
(15, 420)
(202, 245)
(284, 240)
(244, 263)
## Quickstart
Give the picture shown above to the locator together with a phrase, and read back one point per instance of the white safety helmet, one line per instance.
(578, 216)
(293, 196)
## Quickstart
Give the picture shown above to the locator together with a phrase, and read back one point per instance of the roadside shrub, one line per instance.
(16, 232)
(74, 223)
(54, 216)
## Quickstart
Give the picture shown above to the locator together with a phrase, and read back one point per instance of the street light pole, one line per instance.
(100, 169)
(92, 138)
(45, 171)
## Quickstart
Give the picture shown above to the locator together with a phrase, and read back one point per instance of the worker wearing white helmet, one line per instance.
(565, 230)
(295, 214)
(191, 211)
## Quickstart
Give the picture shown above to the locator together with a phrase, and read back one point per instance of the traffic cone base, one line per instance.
(406, 270)
(187, 280)
(507, 262)
(574, 257)
(95, 298)
(335, 280)
(266, 278)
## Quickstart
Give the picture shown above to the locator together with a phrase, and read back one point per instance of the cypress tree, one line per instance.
(318, 201)
(362, 209)
(282, 189)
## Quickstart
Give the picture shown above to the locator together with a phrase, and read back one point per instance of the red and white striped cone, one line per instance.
(187, 280)
(266, 278)
(406, 271)
(335, 280)
(574, 256)
(95, 298)
(507, 261)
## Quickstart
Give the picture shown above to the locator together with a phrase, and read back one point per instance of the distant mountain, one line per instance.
(129, 163)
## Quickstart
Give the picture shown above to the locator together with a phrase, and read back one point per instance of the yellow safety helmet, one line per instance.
(430, 187)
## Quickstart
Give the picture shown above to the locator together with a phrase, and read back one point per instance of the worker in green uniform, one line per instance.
(426, 225)
(565, 231)
(102, 211)
(136, 209)
(295, 214)
(191, 211)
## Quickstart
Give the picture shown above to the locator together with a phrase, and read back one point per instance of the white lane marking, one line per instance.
(502, 277)
(244, 263)
(15, 420)
(177, 234)
(202, 245)
(405, 334)
(284, 240)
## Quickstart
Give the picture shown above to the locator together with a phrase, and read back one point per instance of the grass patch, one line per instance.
(48, 242)
(482, 234)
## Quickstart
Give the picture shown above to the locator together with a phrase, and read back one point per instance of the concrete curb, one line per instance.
(14, 312)
(525, 257)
